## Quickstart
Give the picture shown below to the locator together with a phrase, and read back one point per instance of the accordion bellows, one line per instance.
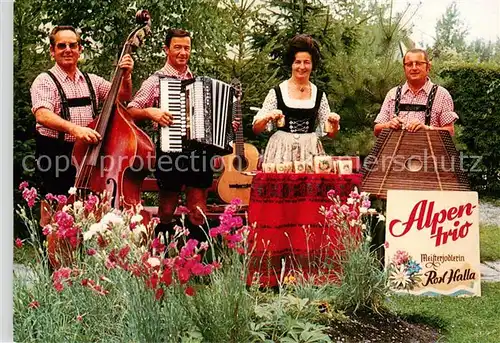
(423, 160)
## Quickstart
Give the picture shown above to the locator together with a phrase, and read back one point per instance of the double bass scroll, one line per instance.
(119, 163)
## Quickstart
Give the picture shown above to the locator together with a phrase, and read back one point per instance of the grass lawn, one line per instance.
(490, 242)
(460, 320)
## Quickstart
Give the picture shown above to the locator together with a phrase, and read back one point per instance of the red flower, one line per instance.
(19, 243)
(189, 291)
(124, 252)
(166, 277)
(34, 304)
(159, 293)
(183, 275)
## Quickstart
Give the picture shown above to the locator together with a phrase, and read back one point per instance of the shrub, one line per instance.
(475, 89)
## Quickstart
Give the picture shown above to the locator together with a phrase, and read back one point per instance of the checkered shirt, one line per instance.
(442, 110)
(149, 93)
(44, 94)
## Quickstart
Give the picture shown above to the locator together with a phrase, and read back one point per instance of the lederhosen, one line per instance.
(54, 154)
(298, 120)
(398, 107)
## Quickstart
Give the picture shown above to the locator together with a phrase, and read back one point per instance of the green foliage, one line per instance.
(222, 310)
(464, 320)
(490, 242)
(476, 93)
(287, 318)
(362, 281)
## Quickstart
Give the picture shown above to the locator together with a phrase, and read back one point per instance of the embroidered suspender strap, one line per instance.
(64, 102)
(430, 102)
(92, 94)
(398, 100)
(412, 108)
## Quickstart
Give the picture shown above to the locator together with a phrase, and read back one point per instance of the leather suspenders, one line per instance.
(414, 107)
(74, 102)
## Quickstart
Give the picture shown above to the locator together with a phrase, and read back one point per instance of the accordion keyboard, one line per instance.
(172, 100)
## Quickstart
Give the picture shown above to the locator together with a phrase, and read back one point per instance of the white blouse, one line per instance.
(271, 103)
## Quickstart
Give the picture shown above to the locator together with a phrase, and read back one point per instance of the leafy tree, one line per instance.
(450, 33)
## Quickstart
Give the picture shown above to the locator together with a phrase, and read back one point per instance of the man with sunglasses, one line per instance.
(64, 101)
(418, 104)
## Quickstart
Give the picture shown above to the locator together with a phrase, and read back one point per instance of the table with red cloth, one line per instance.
(288, 224)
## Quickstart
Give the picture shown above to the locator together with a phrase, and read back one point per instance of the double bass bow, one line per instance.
(123, 157)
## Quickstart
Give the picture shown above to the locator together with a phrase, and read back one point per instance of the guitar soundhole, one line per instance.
(240, 163)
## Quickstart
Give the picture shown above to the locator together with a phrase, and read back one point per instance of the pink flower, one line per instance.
(236, 202)
(30, 196)
(180, 210)
(58, 286)
(91, 203)
(330, 194)
(354, 195)
(386, 244)
(79, 318)
(50, 196)
(23, 185)
(62, 199)
(47, 229)
(19, 243)
(157, 245)
(34, 304)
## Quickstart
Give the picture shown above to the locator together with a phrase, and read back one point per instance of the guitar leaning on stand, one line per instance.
(233, 183)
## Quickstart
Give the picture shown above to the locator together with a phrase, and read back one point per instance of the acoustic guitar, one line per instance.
(233, 183)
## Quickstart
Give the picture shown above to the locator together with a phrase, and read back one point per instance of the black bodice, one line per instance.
(298, 120)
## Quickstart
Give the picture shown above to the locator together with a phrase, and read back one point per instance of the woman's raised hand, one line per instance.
(333, 118)
(275, 115)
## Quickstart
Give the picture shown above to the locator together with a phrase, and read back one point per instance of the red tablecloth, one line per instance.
(285, 210)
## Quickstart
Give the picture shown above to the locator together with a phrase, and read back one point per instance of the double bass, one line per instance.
(124, 156)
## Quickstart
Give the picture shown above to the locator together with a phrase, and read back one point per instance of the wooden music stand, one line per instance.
(423, 160)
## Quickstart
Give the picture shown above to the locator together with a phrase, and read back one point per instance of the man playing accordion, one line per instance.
(190, 168)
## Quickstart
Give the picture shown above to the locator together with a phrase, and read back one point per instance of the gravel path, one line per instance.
(489, 213)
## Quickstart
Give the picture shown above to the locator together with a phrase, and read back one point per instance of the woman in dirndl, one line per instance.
(301, 114)
(297, 108)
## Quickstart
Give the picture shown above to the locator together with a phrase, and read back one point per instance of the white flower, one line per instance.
(372, 211)
(72, 191)
(399, 278)
(88, 235)
(78, 205)
(363, 210)
(350, 201)
(154, 261)
(136, 218)
(381, 218)
(66, 208)
(112, 218)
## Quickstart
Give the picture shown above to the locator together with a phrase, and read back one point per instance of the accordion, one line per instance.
(202, 110)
